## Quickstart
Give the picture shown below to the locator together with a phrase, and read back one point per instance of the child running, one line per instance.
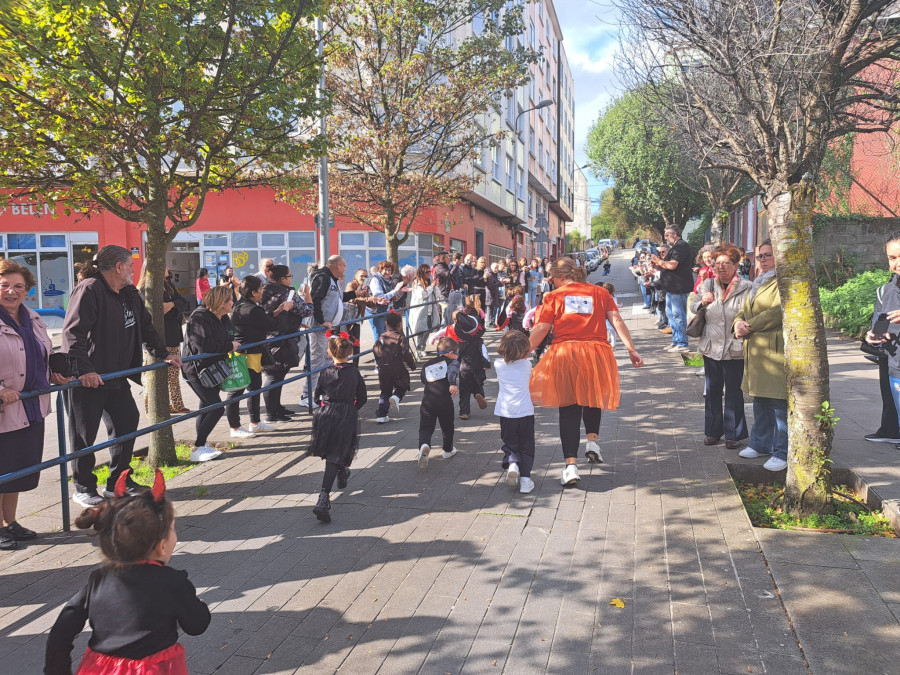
(473, 360)
(515, 410)
(135, 603)
(611, 334)
(440, 376)
(392, 356)
(515, 316)
(340, 393)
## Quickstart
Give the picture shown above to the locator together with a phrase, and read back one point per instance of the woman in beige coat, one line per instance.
(720, 297)
(759, 324)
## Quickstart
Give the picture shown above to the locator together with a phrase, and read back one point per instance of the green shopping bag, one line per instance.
(240, 374)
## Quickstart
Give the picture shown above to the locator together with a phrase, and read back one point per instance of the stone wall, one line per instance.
(864, 239)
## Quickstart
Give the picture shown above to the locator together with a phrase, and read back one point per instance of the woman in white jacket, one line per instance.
(723, 359)
(422, 319)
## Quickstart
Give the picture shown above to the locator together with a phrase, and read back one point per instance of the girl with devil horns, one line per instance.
(339, 394)
(135, 603)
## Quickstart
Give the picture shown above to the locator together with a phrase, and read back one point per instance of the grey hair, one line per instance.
(333, 260)
(105, 261)
(408, 271)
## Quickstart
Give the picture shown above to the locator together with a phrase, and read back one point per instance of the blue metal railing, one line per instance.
(65, 457)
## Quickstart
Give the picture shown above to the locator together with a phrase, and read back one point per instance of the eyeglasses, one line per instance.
(765, 256)
(723, 262)
(18, 288)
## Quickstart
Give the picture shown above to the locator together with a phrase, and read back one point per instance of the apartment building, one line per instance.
(582, 220)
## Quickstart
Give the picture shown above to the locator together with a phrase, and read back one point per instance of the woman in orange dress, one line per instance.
(578, 373)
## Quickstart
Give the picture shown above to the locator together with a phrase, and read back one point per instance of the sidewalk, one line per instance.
(449, 570)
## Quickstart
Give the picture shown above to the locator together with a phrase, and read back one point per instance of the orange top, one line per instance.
(577, 312)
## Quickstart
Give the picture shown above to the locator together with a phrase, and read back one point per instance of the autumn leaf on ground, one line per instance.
(616, 602)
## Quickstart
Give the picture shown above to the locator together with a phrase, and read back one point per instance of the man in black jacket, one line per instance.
(676, 278)
(105, 328)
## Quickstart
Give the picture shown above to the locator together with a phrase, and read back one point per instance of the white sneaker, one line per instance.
(383, 420)
(526, 485)
(303, 402)
(261, 426)
(570, 475)
(775, 464)
(395, 405)
(512, 474)
(204, 453)
(448, 455)
(241, 432)
(678, 348)
(749, 453)
(422, 457)
(593, 452)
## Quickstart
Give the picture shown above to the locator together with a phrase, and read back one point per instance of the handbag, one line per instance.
(697, 324)
(214, 375)
(239, 377)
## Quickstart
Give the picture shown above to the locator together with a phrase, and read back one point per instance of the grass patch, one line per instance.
(144, 474)
(760, 501)
(693, 360)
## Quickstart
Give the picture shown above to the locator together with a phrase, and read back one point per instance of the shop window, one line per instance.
(457, 246)
(247, 262)
(214, 240)
(53, 241)
(1, 241)
(54, 279)
(353, 239)
(244, 240)
(271, 239)
(497, 253)
(22, 241)
(302, 239)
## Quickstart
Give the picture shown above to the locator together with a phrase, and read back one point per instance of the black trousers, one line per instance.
(517, 434)
(570, 418)
(388, 388)
(889, 426)
(726, 376)
(355, 330)
(428, 417)
(207, 421)
(468, 387)
(233, 410)
(115, 406)
(273, 397)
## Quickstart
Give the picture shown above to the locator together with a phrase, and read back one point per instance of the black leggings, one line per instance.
(233, 410)
(570, 418)
(207, 421)
(331, 472)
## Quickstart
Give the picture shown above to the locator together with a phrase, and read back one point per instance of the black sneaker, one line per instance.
(87, 499)
(21, 533)
(287, 413)
(878, 438)
(278, 418)
(7, 540)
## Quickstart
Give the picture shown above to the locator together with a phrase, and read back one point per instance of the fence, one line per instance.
(65, 457)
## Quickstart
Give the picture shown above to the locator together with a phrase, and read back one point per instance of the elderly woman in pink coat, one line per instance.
(24, 358)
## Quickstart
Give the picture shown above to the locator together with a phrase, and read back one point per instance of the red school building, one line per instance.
(237, 229)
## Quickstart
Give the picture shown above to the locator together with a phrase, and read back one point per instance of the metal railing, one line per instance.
(64, 457)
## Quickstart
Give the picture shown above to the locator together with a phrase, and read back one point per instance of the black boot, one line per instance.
(343, 475)
(322, 509)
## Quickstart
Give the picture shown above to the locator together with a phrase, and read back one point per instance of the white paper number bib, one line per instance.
(436, 371)
(579, 304)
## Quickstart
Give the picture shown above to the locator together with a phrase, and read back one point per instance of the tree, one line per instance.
(634, 148)
(763, 88)
(574, 241)
(140, 109)
(412, 99)
(613, 221)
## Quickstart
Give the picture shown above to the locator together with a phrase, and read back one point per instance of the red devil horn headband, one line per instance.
(158, 491)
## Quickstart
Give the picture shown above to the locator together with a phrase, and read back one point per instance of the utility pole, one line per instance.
(322, 217)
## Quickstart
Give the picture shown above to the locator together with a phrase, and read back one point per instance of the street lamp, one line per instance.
(543, 104)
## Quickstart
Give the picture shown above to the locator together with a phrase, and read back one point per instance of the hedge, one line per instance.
(851, 305)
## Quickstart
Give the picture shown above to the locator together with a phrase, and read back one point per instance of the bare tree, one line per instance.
(762, 88)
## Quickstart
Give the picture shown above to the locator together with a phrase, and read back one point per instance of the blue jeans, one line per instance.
(769, 433)
(378, 325)
(676, 311)
(895, 393)
(645, 292)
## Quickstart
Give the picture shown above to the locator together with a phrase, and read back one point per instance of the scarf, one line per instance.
(726, 289)
(35, 362)
(761, 280)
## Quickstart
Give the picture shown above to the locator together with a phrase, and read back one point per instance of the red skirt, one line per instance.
(576, 372)
(169, 661)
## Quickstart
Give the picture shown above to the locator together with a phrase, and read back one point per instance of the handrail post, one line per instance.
(63, 467)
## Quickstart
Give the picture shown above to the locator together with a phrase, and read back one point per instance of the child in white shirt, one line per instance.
(515, 409)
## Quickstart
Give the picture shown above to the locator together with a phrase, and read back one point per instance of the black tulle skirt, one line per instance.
(335, 433)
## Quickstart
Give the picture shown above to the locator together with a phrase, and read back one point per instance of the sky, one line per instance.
(589, 29)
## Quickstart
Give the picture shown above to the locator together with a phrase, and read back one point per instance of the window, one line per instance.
(530, 203)
(510, 174)
(540, 155)
(522, 184)
(531, 142)
(495, 162)
(363, 250)
(478, 23)
(532, 34)
(511, 110)
(457, 246)
(498, 253)
(531, 89)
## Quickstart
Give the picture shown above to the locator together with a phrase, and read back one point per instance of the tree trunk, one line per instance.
(391, 244)
(162, 441)
(719, 223)
(805, 354)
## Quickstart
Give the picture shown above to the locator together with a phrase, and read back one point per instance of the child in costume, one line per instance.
(515, 316)
(440, 376)
(135, 602)
(473, 360)
(392, 356)
(340, 393)
(515, 410)
(610, 331)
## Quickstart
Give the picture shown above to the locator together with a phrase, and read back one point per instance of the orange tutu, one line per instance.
(576, 372)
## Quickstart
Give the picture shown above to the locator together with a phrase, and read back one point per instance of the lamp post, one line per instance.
(543, 104)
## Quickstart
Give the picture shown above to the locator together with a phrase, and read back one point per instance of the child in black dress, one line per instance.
(392, 356)
(340, 393)
(135, 603)
(515, 316)
(473, 361)
(440, 376)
